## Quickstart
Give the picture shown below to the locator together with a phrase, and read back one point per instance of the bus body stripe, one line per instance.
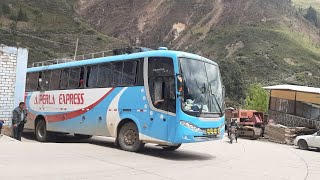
(73, 114)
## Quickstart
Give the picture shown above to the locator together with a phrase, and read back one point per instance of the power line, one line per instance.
(35, 37)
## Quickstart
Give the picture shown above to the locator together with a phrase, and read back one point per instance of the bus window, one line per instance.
(92, 76)
(162, 83)
(105, 75)
(45, 80)
(117, 74)
(129, 73)
(74, 78)
(55, 80)
(32, 81)
(64, 79)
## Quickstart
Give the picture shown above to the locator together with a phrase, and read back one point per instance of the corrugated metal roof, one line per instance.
(295, 88)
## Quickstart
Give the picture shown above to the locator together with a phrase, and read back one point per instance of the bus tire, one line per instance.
(82, 136)
(42, 134)
(128, 138)
(171, 148)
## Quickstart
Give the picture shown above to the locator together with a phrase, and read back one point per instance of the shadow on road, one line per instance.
(149, 150)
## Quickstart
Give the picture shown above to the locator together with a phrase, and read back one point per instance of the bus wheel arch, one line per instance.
(41, 129)
(128, 136)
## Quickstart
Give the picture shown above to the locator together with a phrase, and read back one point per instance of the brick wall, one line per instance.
(13, 65)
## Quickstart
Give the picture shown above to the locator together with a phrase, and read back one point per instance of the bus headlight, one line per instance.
(190, 126)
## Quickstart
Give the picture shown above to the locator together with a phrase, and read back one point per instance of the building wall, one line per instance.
(292, 121)
(13, 67)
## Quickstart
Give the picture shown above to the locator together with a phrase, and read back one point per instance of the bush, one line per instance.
(312, 15)
(6, 9)
(22, 16)
(257, 98)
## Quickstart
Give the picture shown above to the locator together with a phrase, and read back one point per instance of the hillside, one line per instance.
(270, 41)
(49, 29)
(267, 40)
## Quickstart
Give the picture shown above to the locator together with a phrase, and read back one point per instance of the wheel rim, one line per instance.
(41, 130)
(130, 137)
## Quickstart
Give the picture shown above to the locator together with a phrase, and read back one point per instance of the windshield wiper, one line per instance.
(217, 102)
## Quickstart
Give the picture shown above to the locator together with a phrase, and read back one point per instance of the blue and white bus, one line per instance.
(161, 97)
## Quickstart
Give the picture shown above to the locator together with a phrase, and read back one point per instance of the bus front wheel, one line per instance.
(41, 131)
(129, 138)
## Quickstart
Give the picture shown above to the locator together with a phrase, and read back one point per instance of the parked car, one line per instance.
(308, 141)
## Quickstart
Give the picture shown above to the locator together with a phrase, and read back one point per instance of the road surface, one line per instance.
(73, 159)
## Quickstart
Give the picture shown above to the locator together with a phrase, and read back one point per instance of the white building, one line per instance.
(13, 68)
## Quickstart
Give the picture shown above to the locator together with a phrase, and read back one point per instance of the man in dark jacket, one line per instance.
(19, 118)
(1, 123)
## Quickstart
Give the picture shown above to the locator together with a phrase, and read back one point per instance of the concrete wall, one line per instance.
(293, 121)
(13, 68)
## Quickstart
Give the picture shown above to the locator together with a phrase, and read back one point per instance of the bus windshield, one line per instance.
(202, 89)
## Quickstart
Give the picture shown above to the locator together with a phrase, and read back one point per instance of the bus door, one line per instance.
(161, 98)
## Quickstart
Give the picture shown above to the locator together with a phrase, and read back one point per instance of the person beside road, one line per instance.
(236, 126)
(1, 124)
(19, 118)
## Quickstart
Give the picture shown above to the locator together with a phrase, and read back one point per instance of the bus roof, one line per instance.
(155, 53)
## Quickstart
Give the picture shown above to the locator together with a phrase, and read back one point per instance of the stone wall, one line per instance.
(13, 66)
(293, 121)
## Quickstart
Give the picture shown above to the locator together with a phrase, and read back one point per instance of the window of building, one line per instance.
(273, 103)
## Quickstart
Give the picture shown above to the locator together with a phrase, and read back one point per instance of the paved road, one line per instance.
(99, 159)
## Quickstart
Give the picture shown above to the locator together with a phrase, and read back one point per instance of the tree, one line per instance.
(22, 16)
(312, 15)
(233, 80)
(257, 98)
(6, 9)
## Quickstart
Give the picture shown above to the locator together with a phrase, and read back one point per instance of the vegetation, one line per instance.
(257, 98)
(49, 29)
(312, 15)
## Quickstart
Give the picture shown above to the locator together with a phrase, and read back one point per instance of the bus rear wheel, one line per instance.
(41, 131)
(171, 148)
(128, 138)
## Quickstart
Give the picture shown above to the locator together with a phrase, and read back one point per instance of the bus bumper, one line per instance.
(186, 135)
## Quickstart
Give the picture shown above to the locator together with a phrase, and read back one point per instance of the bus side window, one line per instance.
(32, 81)
(45, 80)
(92, 76)
(55, 79)
(74, 78)
(64, 79)
(129, 73)
(81, 81)
(117, 74)
(105, 75)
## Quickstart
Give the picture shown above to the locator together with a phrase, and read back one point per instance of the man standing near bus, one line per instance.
(19, 117)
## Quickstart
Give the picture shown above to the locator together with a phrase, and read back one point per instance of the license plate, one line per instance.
(213, 131)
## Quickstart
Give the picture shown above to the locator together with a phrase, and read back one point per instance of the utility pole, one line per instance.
(75, 52)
